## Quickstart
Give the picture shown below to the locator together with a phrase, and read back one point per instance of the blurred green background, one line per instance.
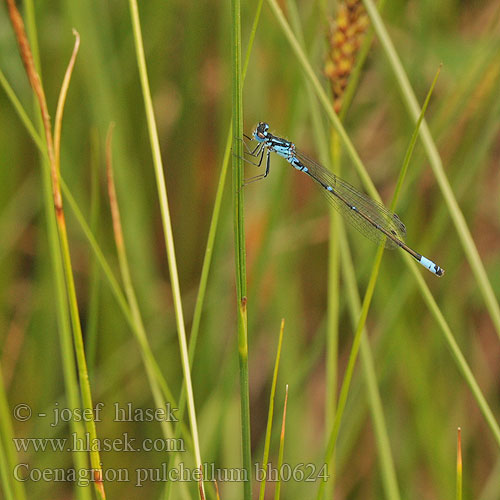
(187, 46)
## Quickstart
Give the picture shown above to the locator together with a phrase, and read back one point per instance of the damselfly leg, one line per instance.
(259, 177)
(257, 152)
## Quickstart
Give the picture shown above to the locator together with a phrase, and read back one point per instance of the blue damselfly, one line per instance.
(368, 216)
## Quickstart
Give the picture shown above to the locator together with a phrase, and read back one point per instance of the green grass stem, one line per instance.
(282, 447)
(390, 477)
(459, 465)
(12, 489)
(52, 139)
(167, 226)
(239, 242)
(270, 414)
(147, 355)
(91, 332)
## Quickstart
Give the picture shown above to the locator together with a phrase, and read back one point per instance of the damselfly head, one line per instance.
(260, 132)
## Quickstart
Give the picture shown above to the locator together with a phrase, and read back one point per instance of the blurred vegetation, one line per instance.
(424, 397)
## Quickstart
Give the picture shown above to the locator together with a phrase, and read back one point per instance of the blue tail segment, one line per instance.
(431, 266)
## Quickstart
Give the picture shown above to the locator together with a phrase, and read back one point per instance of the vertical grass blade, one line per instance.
(91, 333)
(270, 414)
(239, 241)
(52, 143)
(153, 373)
(129, 289)
(391, 484)
(282, 448)
(459, 464)
(5, 475)
(12, 488)
(63, 321)
(214, 222)
(166, 222)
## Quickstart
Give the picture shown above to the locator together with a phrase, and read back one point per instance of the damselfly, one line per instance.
(368, 216)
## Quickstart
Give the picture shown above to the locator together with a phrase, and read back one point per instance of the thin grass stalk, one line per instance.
(237, 120)
(245, 396)
(205, 270)
(18, 107)
(6, 476)
(336, 231)
(282, 447)
(421, 284)
(217, 495)
(86, 394)
(413, 141)
(146, 353)
(459, 465)
(52, 151)
(332, 312)
(129, 289)
(167, 225)
(60, 109)
(270, 414)
(200, 485)
(239, 242)
(212, 232)
(207, 259)
(388, 472)
(387, 467)
(336, 240)
(457, 355)
(64, 325)
(344, 391)
(91, 337)
(436, 164)
(122, 303)
(12, 488)
(62, 313)
(366, 304)
(66, 345)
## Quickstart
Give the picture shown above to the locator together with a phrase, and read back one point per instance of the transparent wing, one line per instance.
(344, 196)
